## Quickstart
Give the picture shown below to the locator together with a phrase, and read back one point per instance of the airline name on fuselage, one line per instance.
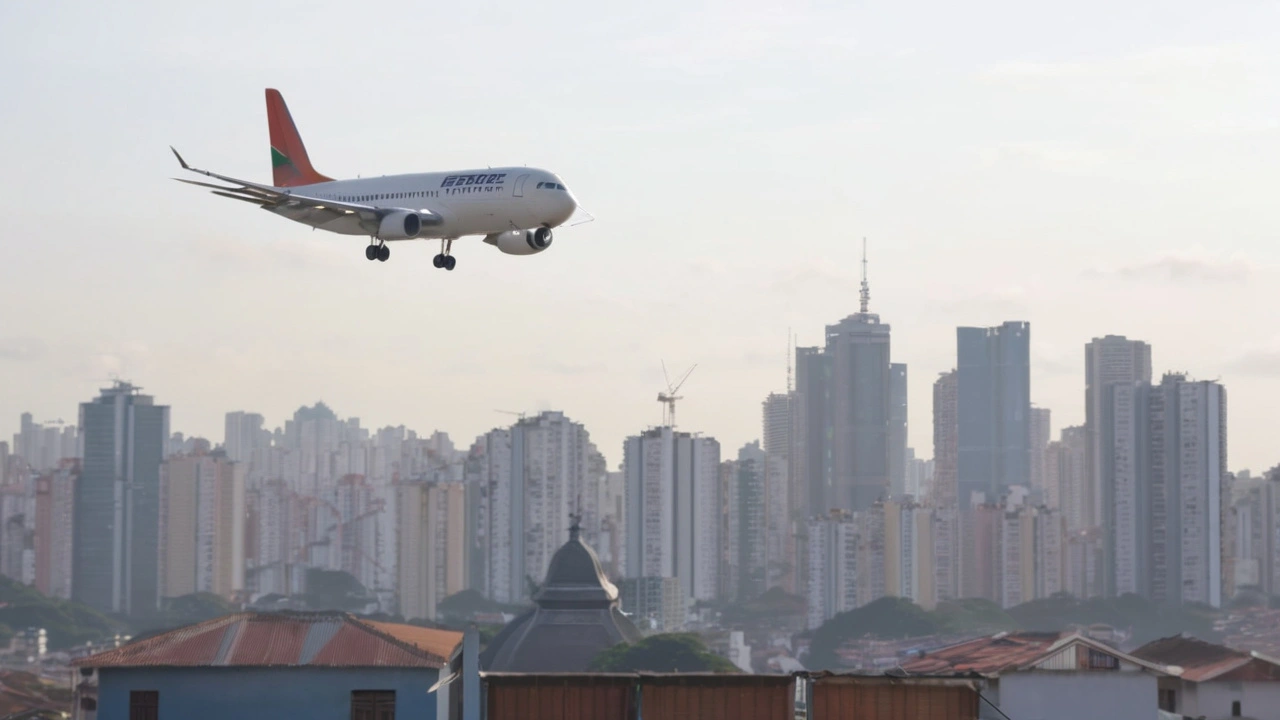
(460, 180)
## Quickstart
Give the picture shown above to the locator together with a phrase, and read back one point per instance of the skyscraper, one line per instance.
(897, 429)
(433, 545)
(115, 566)
(202, 525)
(1165, 489)
(1041, 433)
(750, 508)
(673, 509)
(783, 498)
(244, 435)
(993, 390)
(946, 426)
(810, 448)
(1110, 360)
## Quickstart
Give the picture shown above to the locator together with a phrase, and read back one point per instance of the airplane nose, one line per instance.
(565, 206)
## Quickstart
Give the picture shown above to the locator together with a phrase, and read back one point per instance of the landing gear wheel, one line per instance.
(384, 252)
(371, 252)
(449, 262)
(438, 260)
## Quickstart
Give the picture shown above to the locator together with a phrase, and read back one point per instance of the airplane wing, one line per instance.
(317, 211)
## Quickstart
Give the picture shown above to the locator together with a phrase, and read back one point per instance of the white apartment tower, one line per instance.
(673, 509)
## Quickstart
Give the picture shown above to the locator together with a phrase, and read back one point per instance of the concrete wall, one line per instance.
(263, 693)
(1065, 695)
(1213, 700)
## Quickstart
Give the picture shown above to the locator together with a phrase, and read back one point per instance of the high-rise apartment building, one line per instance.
(993, 399)
(833, 567)
(674, 509)
(55, 518)
(433, 545)
(897, 429)
(1110, 360)
(783, 495)
(532, 477)
(1041, 433)
(750, 517)
(115, 565)
(909, 547)
(946, 428)
(810, 444)
(202, 515)
(244, 436)
(1165, 490)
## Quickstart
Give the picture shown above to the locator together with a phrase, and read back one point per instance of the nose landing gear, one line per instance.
(445, 259)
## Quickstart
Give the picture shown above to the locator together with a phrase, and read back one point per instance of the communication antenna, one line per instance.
(866, 287)
(669, 398)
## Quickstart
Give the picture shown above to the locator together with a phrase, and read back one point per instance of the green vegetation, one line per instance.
(898, 618)
(336, 590)
(775, 606)
(180, 611)
(674, 652)
(68, 623)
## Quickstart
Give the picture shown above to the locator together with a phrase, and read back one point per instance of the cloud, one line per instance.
(1260, 362)
(812, 277)
(21, 349)
(569, 369)
(1181, 268)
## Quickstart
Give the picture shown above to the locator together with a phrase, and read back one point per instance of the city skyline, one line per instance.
(1036, 169)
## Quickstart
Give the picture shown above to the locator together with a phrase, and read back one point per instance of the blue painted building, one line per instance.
(260, 666)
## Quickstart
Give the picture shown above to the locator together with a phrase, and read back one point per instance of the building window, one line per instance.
(144, 705)
(1169, 700)
(1235, 709)
(373, 705)
(1102, 661)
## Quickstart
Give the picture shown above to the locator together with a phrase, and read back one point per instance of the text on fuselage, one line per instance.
(460, 180)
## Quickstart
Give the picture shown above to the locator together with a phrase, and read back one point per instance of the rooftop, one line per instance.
(1012, 652)
(1196, 660)
(285, 639)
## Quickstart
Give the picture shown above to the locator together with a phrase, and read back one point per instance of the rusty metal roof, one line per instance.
(285, 639)
(1199, 661)
(985, 655)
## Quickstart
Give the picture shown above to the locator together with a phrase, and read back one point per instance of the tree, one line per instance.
(886, 618)
(671, 652)
(336, 590)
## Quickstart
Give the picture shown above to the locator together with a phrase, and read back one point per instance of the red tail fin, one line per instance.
(290, 165)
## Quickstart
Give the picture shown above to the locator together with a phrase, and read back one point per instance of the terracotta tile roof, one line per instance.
(285, 639)
(1199, 661)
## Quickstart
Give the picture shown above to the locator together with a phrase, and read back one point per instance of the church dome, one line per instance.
(575, 578)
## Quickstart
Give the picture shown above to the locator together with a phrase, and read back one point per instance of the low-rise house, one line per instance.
(1215, 682)
(1049, 676)
(264, 666)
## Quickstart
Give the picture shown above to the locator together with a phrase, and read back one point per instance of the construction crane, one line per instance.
(512, 412)
(669, 397)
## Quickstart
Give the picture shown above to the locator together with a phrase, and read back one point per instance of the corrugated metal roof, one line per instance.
(285, 639)
(1008, 652)
(1199, 661)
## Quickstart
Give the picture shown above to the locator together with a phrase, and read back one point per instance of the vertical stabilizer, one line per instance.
(290, 166)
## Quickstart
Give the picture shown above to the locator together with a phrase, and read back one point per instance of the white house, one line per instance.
(1048, 676)
(1215, 682)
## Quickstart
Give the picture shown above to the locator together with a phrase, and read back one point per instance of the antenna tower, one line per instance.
(866, 287)
(669, 398)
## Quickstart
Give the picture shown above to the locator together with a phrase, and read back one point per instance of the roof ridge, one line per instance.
(139, 645)
(365, 625)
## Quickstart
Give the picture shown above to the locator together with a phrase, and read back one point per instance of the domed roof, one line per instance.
(575, 578)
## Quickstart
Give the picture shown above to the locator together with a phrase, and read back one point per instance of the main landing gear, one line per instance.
(445, 259)
(378, 252)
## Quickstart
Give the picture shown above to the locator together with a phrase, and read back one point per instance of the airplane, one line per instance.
(514, 208)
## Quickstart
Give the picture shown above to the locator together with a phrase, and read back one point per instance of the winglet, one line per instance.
(181, 162)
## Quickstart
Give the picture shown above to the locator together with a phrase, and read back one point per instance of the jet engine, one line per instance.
(399, 225)
(521, 242)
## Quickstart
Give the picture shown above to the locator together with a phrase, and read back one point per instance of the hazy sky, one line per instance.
(1092, 167)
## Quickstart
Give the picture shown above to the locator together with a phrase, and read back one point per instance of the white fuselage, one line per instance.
(470, 202)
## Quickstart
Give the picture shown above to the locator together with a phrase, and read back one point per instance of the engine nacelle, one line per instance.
(521, 242)
(399, 225)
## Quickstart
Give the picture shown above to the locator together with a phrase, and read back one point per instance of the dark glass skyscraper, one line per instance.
(115, 555)
(993, 399)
